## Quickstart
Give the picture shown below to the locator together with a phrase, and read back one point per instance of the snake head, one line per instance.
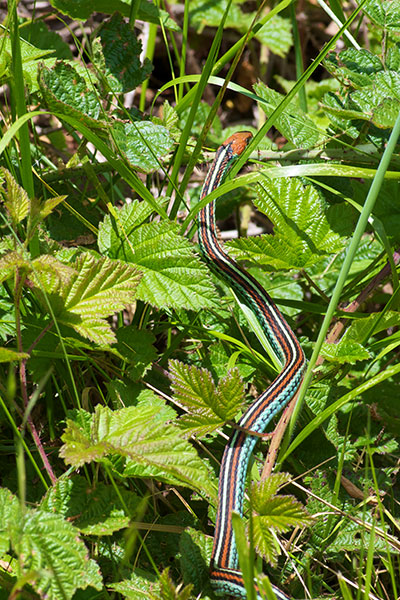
(238, 142)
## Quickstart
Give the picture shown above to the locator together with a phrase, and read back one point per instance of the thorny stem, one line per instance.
(23, 380)
(331, 338)
(277, 438)
(337, 329)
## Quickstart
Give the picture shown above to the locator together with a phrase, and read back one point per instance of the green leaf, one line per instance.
(40, 36)
(280, 514)
(119, 60)
(274, 513)
(302, 234)
(142, 585)
(41, 210)
(387, 207)
(344, 352)
(117, 227)
(276, 34)
(8, 355)
(293, 124)
(30, 56)
(152, 446)
(264, 541)
(93, 509)
(50, 274)
(245, 557)
(169, 591)
(143, 143)
(172, 274)
(10, 515)
(170, 118)
(380, 102)
(205, 13)
(66, 92)
(356, 67)
(14, 196)
(136, 346)
(195, 553)
(82, 9)
(340, 115)
(100, 288)
(262, 491)
(10, 262)
(209, 406)
(360, 329)
(48, 547)
(383, 13)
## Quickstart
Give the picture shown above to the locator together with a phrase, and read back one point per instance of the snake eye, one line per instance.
(238, 142)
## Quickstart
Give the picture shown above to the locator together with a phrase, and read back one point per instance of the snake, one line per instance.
(225, 577)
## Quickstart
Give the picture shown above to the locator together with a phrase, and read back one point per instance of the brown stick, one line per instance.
(337, 329)
(277, 437)
(331, 338)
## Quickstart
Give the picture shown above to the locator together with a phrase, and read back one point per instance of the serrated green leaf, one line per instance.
(143, 143)
(15, 198)
(276, 34)
(169, 591)
(116, 228)
(170, 118)
(66, 92)
(42, 210)
(357, 67)
(281, 513)
(100, 288)
(230, 393)
(264, 541)
(136, 346)
(120, 60)
(153, 447)
(10, 516)
(195, 553)
(10, 262)
(209, 406)
(147, 11)
(93, 510)
(262, 491)
(344, 352)
(383, 13)
(49, 545)
(293, 123)
(142, 585)
(50, 274)
(379, 102)
(360, 329)
(172, 274)
(8, 355)
(302, 234)
(340, 115)
(205, 13)
(40, 36)
(393, 58)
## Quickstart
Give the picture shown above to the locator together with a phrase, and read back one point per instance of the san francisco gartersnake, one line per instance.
(225, 577)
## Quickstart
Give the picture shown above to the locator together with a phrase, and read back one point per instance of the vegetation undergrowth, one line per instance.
(124, 361)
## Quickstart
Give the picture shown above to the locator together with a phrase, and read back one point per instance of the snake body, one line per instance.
(224, 574)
